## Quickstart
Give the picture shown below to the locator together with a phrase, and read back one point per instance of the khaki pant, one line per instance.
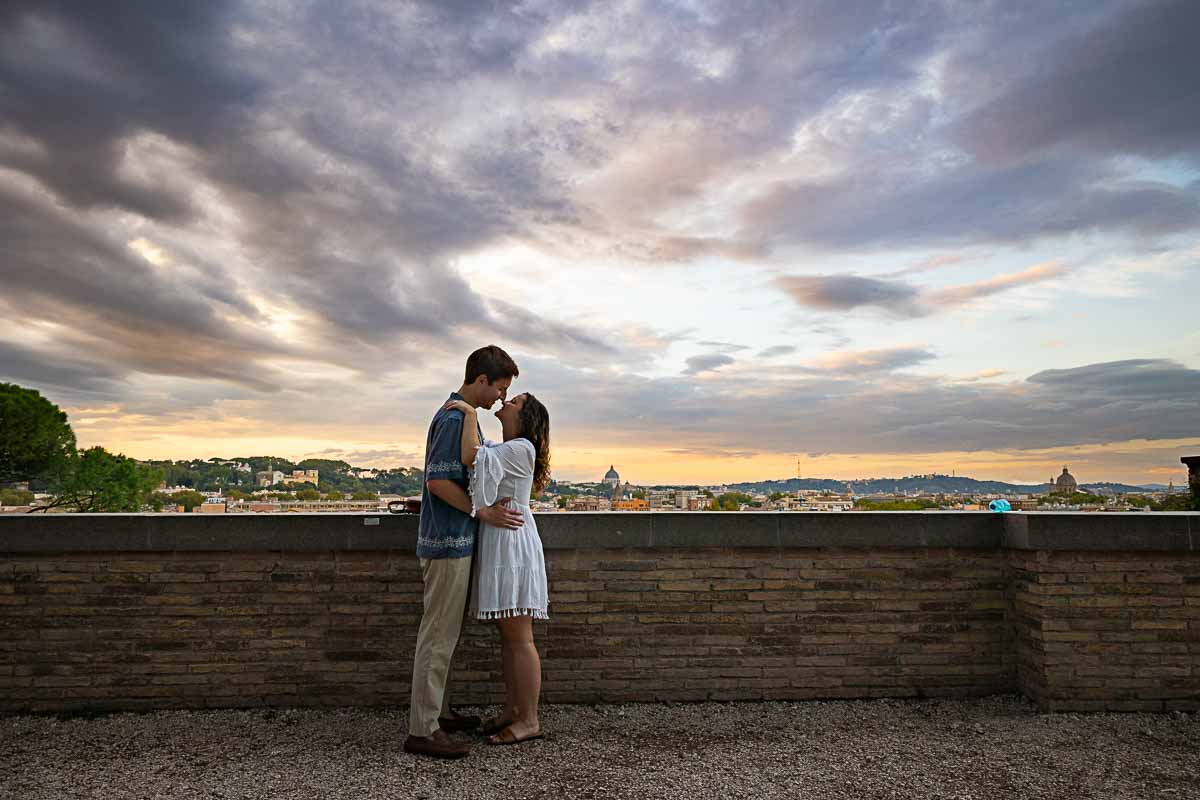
(447, 584)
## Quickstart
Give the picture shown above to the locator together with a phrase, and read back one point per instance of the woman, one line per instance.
(510, 572)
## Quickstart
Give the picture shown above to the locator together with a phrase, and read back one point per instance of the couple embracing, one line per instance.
(475, 514)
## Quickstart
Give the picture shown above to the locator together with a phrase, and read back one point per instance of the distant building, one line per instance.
(212, 505)
(268, 477)
(684, 497)
(660, 499)
(1066, 483)
(611, 478)
(589, 503)
(633, 504)
(303, 476)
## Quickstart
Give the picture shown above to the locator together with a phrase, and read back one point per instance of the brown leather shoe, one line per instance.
(436, 745)
(457, 723)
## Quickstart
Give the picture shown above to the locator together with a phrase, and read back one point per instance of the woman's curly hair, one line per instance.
(535, 426)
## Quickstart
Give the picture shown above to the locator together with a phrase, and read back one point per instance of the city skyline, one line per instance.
(881, 240)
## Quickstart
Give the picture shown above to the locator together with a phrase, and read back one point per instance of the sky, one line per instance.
(723, 241)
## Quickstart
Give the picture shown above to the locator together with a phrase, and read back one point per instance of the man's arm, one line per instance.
(498, 515)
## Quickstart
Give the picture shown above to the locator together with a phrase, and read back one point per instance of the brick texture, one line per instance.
(1107, 631)
(226, 630)
(192, 630)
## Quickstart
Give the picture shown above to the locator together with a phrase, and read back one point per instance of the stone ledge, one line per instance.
(356, 532)
(1169, 532)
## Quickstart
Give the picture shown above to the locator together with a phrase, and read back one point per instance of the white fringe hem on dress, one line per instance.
(508, 613)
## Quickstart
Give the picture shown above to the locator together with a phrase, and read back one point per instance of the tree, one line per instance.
(917, 504)
(335, 495)
(364, 496)
(95, 480)
(640, 494)
(308, 495)
(1175, 502)
(15, 497)
(35, 438)
(189, 499)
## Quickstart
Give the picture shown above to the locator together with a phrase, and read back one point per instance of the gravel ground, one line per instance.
(997, 747)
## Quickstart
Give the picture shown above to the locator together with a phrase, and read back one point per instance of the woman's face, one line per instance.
(510, 410)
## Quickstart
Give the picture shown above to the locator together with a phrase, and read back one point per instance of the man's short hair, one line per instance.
(492, 362)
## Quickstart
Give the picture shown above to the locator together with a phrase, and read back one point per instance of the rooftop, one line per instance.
(994, 747)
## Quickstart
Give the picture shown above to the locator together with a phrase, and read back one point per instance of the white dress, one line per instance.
(510, 570)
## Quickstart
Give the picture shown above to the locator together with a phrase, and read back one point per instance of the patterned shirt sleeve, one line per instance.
(445, 449)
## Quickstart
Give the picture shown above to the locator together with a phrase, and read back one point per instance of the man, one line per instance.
(445, 546)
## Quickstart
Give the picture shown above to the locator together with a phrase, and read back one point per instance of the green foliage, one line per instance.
(189, 499)
(362, 495)
(919, 504)
(640, 494)
(1071, 499)
(335, 495)
(35, 438)
(95, 480)
(1176, 502)
(731, 501)
(324, 466)
(15, 497)
(773, 496)
(308, 495)
(563, 500)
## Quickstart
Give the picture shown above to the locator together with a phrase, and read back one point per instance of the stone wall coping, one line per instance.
(358, 532)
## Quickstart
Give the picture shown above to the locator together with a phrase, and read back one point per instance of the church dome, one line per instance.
(1066, 482)
(611, 475)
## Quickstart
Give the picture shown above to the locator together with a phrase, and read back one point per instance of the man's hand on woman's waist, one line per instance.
(500, 515)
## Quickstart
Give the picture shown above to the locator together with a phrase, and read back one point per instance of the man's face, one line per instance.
(489, 393)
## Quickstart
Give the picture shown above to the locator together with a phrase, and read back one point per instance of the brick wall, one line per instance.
(233, 629)
(1108, 631)
(189, 611)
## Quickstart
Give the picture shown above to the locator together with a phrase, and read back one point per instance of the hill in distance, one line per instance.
(935, 484)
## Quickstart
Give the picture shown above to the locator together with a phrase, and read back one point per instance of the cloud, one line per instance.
(968, 204)
(846, 292)
(726, 346)
(882, 411)
(234, 213)
(865, 361)
(953, 296)
(901, 299)
(1123, 87)
(697, 365)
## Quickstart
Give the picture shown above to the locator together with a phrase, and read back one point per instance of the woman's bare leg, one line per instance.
(526, 669)
(510, 682)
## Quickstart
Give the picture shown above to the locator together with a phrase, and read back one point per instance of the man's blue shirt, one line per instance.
(444, 531)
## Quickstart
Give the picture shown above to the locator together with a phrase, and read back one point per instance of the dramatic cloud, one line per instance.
(864, 361)
(1127, 86)
(226, 214)
(873, 410)
(700, 364)
(846, 292)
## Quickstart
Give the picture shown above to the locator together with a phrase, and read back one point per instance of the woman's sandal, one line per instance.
(507, 736)
(494, 726)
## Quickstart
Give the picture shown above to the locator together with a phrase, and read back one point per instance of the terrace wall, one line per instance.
(1079, 611)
